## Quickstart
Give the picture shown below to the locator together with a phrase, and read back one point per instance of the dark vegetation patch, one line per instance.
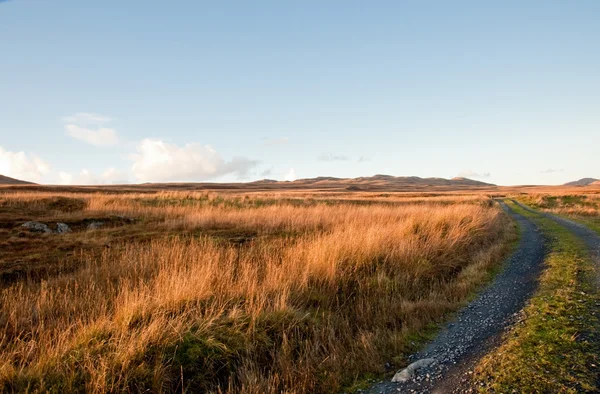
(43, 206)
(223, 202)
(567, 201)
(25, 254)
(248, 202)
(64, 204)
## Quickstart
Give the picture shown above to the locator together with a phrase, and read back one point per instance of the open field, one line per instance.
(231, 293)
(268, 291)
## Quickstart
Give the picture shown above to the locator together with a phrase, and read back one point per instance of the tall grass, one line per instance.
(320, 295)
(566, 204)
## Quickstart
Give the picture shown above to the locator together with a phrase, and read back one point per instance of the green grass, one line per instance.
(554, 348)
(593, 223)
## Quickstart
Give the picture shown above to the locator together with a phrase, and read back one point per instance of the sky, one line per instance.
(101, 92)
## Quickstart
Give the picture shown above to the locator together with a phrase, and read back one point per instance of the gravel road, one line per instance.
(591, 239)
(476, 328)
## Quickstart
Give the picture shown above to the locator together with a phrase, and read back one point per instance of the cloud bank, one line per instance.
(22, 166)
(153, 161)
(158, 161)
(111, 176)
(88, 128)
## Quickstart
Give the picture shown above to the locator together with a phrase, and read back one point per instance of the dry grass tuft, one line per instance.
(567, 204)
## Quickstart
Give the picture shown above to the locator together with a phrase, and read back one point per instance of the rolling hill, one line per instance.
(376, 183)
(583, 182)
(4, 180)
(373, 183)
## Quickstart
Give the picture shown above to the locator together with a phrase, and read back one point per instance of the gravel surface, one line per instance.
(477, 327)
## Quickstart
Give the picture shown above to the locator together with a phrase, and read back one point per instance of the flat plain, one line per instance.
(254, 291)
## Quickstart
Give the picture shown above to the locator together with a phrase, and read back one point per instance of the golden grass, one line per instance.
(566, 204)
(317, 294)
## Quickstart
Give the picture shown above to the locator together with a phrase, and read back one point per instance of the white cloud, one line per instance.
(473, 174)
(102, 136)
(290, 175)
(21, 166)
(114, 176)
(87, 127)
(158, 161)
(85, 177)
(64, 178)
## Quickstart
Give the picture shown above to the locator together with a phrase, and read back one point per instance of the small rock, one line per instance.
(63, 228)
(407, 373)
(37, 227)
(95, 225)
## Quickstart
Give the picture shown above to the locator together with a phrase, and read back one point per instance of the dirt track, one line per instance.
(591, 239)
(477, 327)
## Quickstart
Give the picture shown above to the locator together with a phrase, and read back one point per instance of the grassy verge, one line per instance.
(580, 208)
(593, 223)
(555, 346)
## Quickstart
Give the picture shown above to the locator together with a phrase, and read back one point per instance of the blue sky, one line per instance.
(110, 91)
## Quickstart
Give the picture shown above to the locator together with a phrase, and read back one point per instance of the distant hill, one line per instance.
(471, 182)
(582, 182)
(4, 180)
(374, 183)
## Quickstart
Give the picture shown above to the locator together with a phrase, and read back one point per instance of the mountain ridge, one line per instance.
(378, 182)
(375, 182)
(583, 182)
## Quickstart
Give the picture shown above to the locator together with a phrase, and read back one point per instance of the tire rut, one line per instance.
(477, 327)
